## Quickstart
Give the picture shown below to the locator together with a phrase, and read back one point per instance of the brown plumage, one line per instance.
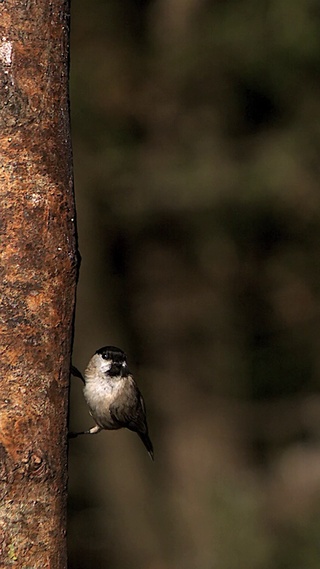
(112, 395)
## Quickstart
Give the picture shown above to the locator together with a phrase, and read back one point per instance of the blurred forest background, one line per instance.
(196, 133)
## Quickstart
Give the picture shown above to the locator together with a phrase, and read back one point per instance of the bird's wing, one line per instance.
(129, 411)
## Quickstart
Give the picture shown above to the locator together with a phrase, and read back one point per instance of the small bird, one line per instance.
(112, 394)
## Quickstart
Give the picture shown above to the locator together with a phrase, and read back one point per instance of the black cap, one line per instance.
(112, 353)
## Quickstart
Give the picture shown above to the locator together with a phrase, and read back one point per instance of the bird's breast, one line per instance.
(99, 396)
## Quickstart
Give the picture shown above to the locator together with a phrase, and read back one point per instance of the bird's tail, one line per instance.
(147, 443)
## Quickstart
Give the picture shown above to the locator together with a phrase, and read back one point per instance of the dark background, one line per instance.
(196, 132)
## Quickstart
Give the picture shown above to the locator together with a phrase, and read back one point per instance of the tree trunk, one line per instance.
(38, 270)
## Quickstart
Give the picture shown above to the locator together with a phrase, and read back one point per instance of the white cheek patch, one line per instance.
(105, 365)
(124, 364)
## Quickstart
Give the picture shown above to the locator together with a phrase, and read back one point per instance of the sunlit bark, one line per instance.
(38, 278)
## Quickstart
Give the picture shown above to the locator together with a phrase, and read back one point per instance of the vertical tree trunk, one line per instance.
(38, 278)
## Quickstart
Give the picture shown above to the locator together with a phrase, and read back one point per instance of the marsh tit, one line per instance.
(112, 395)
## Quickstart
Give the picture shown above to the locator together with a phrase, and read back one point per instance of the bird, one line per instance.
(112, 395)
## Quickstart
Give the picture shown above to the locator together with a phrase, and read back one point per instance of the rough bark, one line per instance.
(38, 275)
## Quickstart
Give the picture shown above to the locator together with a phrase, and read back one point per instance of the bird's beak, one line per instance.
(124, 370)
